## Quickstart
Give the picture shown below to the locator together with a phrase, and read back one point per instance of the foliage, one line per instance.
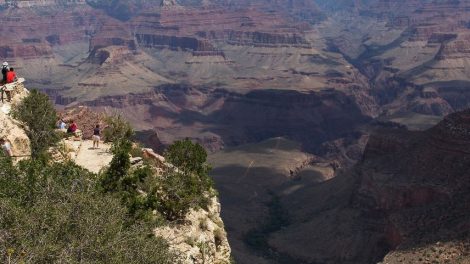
(125, 183)
(119, 166)
(55, 213)
(118, 129)
(129, 185)
(189, 185)
(39, 117)
(172, 194)
(119, 132)
(138, 181)
(189, 157)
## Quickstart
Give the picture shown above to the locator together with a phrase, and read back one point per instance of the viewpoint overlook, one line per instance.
(337, 130)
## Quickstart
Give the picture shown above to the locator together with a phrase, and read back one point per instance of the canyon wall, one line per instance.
(405, 197)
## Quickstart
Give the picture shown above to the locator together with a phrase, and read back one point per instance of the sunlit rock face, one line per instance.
(407, 48)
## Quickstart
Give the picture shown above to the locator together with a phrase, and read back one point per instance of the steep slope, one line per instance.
(409, 195)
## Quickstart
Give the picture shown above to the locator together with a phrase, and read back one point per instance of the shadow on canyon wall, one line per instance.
(309, 118)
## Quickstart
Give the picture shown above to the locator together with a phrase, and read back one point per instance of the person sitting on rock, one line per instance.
(6, 146)
(11, 75)
(96, 137)
(10, 78)
(61, 125)
(72, 127)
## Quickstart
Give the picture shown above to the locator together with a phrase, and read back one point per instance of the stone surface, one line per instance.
(88, 157)
(12, 130)
(201, 238)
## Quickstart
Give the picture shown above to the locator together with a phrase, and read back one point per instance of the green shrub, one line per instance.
(125, 183)
(189, 157)
(39, 117)
(177, 193)
(117, 129)
(173, 194)
(189, 185)
(119, 166)
(56, 214)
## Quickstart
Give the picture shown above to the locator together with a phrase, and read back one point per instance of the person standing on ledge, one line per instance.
(5, 70)
(96, 137)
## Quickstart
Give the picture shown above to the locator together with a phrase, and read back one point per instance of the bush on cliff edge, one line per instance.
(189, 185)
(39, 117)
(55, 213)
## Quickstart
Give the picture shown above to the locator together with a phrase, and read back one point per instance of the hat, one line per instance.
(5, 63)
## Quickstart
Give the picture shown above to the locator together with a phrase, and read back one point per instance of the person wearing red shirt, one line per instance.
(72, 128)
(11, 75)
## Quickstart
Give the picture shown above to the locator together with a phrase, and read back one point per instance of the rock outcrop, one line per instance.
(10, 128)
(13, 132)
(200, 237)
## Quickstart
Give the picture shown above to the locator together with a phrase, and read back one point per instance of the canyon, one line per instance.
(286, 95)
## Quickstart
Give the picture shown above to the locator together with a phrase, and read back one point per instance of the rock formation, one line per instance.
(12, 131)
(201, 239)
(407, 197)
(419, 44)
(10, 128)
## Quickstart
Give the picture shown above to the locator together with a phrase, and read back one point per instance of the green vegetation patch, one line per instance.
(56, 213)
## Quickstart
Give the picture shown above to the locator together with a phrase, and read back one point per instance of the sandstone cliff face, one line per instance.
(229, 119)
(11, 130)
(423, 194)
(201, 237)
